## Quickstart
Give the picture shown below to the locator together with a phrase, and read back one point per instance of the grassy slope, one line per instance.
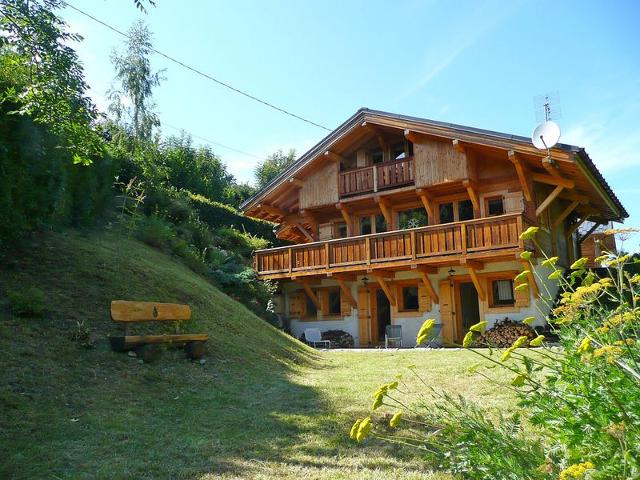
(262, 406)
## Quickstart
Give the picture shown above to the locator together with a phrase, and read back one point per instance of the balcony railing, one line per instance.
(471, 238)
(376, 177)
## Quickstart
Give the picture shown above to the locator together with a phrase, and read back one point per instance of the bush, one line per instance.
(582, 400)
(156, 232)
(27, 302)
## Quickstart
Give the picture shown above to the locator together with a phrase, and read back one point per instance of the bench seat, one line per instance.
(127, 342)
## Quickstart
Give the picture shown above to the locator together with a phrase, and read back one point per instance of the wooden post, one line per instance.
(290, 259)
(327, 252)
(463, 238)
(547, 201)
(375, 178)
(412, 243)
(367, 249)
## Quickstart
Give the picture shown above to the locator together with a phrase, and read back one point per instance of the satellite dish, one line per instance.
(546, 135)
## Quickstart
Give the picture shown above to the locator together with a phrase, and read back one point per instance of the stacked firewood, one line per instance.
(504, 333)
(338, 338)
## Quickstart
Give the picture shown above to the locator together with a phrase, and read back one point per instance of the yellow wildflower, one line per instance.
(529, 233)
(635, 280)
(529, 320)
(507, 353)
(585, 345)
(616, 430)
(536, 342)
(468, 339)
(354, 429)
(616, 261)
(610, 351)
(479, 327)
(393, 385)
(526, 255)
(422, 339)
(518, 380)
(523, 286)
(555, 275)
(626, 341)
(364, 429)
(550, 262)
(377, 401)
(395, 419)
(474, 368)
(522, 276)
(426, 327)
(621, 231)
(576, 471)
(520, 341)
(579, 264)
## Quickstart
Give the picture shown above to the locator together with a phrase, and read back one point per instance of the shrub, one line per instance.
(27, 302)
(155, 231)
(582, 400)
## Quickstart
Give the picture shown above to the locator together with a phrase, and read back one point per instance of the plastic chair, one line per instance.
(393, 333)
(314, 337)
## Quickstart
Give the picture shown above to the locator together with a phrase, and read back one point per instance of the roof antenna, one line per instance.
(547, 133)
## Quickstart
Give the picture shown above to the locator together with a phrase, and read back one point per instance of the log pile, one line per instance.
(338, 338)
(504, 333)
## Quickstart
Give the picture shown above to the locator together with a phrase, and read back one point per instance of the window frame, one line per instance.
(455, 206)
(402, 308)
(487, 208)
(491, 300)
(330, 291)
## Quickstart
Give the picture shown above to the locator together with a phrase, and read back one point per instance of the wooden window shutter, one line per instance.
(345, 306)
(521, 296)
(364, 317)
(513, 202)
(424, 300)
(297, 304)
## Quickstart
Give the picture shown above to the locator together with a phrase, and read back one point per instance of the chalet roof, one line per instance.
(582, 157)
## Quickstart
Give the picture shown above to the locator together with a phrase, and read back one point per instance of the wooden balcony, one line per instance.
(480, 239)
(376, 177)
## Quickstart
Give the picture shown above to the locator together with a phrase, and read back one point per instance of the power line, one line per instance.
(204, 139)
(201, 73)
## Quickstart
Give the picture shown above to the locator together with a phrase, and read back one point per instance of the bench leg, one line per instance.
(195, 350)
(148, 353)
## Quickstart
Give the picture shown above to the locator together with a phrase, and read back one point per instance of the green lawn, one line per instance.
(262, 406)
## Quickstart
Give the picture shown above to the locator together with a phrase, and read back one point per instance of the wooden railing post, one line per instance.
(375, 178)
(290, 259)
(367, 249)
(412, 244)
(463, 238)
(520, 229)
(326, 252)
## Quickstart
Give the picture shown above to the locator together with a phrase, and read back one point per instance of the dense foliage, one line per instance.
(272, 166)
(579, 402)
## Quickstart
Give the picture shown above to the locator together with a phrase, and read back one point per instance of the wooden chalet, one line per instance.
(395, 219)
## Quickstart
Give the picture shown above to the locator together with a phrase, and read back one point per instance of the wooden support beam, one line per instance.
(346, 277)
(471, 190)
(458, 146)
(429, 287)
(549, 180)
(347, 217)
(551, 168)
(311, 294)
(477, 264)
(476, 281)
(547, 201)
(411, 136)
(386, 211)
(531, 279)
(334, 157)
(428, 204)
(522, 171)
(304, 231)
(272, 210)
(346, 291)
(575, 226)
(381, 141)
(565, 213)
(428, 269)
(296, 182)
(381, 273)
(385, 288)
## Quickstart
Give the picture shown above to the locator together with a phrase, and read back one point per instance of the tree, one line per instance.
(273, 166)
(46, 75)
(132, 103)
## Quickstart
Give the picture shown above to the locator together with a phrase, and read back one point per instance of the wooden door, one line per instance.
(447, 313)
(364, 317)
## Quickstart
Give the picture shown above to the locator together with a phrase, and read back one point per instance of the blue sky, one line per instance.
(474, 63)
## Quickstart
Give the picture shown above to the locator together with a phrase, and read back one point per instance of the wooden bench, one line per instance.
(127, 313)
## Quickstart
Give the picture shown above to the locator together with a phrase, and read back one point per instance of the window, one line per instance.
(334, 302)
(495, 206)
(381, 224)
(409, 299)
(340, 230)
(311, 310)
(397, 152)
(502, 293)
(365, 225)
(465, 210)
(446, 212)
(377, 156)
(412, 218)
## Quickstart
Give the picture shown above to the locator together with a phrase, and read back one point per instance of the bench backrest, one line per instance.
(312, 335)
(394, 331)
(125, 311)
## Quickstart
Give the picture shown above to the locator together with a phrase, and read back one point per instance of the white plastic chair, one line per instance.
(314, 337)
(392, 333)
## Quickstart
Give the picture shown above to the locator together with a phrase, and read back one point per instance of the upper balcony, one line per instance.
(377, 177)
(489, 238)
